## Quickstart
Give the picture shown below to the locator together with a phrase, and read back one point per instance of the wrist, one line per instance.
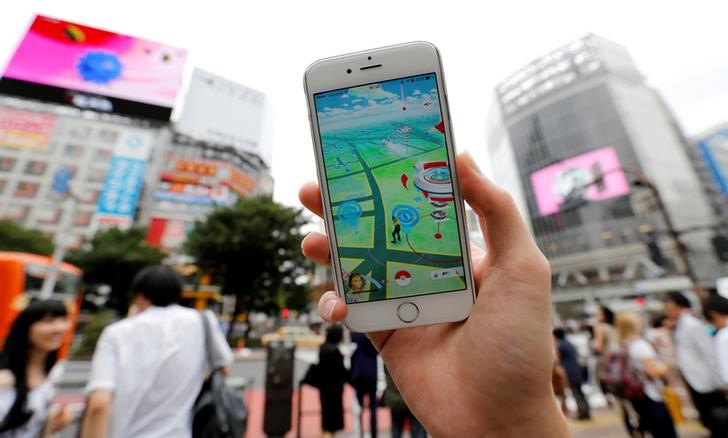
(548, 422)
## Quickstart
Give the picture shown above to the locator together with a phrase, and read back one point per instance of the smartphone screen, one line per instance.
(390, 188)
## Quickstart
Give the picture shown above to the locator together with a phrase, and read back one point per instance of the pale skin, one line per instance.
(491, 374)
(46, 335)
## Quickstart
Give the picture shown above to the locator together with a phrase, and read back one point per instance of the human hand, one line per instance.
(489, 375)
(59, 419)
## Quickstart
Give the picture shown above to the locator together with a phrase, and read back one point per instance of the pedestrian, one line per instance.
(148, 369)
(605, 343)
(364, 378)
(28, 367)
(399, 411)
(715, 310)
(569, 359)
(697, 362)
(489, 375)
(332, 375)
(653, 413)
(559, 382)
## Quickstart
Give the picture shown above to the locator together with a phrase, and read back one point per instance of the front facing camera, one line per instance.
(348, 70)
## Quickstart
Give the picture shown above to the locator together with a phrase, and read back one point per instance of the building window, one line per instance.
(26, 189)
(49, 216)
(35, 167)
(7, 164)
(73, 151)
(80, 132)
(102, 155)
(108, 136)
(82, 219)
(95, 174)
(16, 212)
(92, 196)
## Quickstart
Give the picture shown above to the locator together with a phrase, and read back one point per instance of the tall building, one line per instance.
(569, 136)
(42, 143)
(95, 124)
(192, 178)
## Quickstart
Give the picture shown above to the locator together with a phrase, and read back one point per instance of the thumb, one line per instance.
(505, 229)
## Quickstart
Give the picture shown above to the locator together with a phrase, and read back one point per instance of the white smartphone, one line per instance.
(392, 207)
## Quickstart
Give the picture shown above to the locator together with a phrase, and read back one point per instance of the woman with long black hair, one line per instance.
(27, 358)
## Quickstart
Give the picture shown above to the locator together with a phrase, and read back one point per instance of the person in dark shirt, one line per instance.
(364, 377)
(333, 377)
(569, 359)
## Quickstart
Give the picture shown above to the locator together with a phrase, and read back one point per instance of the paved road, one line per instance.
(606, 423)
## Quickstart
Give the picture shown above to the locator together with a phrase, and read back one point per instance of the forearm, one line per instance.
(95, 425)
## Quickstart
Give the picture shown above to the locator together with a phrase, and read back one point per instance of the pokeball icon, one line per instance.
(403, 278)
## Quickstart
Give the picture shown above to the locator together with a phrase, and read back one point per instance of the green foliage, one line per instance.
(91, 333)
(13, 237)
(254, 251)
(113, 257)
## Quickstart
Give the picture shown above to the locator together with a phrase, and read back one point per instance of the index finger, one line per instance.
(310, 196)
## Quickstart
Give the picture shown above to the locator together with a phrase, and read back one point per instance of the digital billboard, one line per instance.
(121, 73)
(593, 176)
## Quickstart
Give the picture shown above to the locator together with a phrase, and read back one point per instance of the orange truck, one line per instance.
(21, 279)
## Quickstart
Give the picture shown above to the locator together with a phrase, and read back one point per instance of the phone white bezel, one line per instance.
(398, 61)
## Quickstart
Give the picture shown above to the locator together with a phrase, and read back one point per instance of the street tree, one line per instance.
(253, 250)
(113, 257)
(14, 237)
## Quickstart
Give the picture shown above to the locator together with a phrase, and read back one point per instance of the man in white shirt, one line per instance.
(148, 369)
(697, 362)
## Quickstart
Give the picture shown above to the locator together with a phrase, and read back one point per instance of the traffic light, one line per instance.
(285, 313)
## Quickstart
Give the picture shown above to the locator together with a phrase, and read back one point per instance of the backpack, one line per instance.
(621, 378)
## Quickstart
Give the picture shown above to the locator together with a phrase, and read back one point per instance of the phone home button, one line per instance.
(408, 312)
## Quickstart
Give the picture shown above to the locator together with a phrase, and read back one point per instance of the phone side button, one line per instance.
(408, 312)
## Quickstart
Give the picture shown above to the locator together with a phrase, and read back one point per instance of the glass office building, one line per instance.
(569, 135)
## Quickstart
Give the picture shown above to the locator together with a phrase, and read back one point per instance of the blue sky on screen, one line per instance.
(410, 97)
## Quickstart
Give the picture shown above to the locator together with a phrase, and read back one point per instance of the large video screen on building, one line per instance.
(69, 56)
(593, 176)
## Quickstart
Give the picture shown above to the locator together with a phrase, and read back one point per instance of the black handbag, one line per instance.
(219, 411)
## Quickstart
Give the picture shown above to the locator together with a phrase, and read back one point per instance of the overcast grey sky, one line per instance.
(681, 49)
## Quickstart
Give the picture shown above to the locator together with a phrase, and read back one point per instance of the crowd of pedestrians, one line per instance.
(652, 373)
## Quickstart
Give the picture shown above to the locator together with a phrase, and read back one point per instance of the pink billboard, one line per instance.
(593, 176)
(71, 56)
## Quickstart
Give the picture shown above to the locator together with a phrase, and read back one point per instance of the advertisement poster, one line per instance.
(239, 119)
(25, 129)
(123, 184)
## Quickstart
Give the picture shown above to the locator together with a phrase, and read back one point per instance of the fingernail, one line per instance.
(329, 306)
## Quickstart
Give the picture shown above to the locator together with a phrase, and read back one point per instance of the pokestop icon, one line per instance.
(349, 212)
(407, 216)
(403, 278)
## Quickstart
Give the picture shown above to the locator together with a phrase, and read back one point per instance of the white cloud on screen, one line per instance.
(370, 93)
